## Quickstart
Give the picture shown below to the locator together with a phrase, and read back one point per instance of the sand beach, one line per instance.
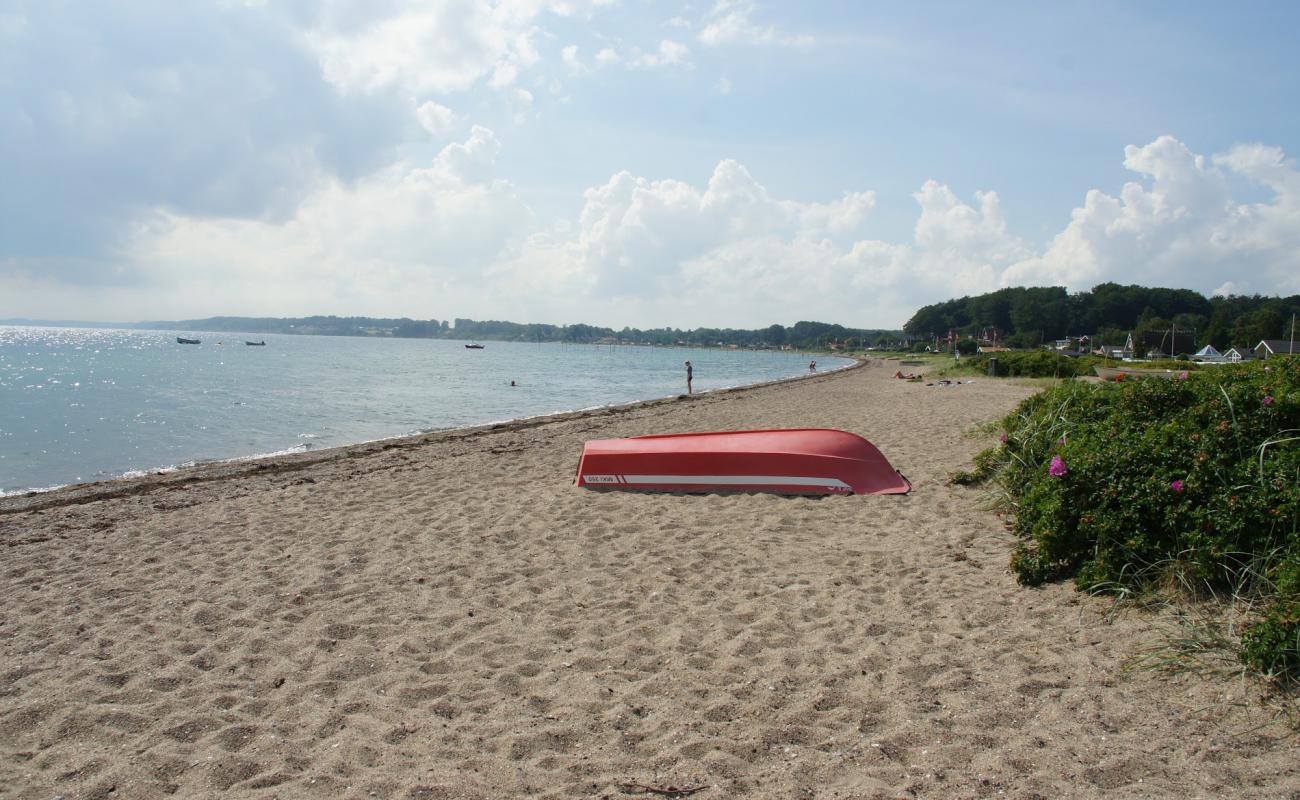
(447, 616)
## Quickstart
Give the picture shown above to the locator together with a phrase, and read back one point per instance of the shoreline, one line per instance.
(449, 616)
(72, 448)
(162, 477)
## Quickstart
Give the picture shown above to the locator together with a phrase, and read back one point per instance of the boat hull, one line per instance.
(797, 461)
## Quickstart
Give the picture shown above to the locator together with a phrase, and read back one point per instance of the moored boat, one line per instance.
(790, 461)
(183, 340)
(256, 344)
(475, 346)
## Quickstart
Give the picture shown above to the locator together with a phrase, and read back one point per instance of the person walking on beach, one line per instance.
(688, 377)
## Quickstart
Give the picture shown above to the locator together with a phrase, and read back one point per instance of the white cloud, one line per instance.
(1269, 227)
(838, 218)
(669, 54)
(402, 240)
(446, 48)
(224, 114)
(431, 47)
(607, 55)
(449, 238)
(569, 55)
(524, 102)
(435, 118)
(504, 75)
(1180, 226)
(666, 252)
(729, 23)
(470, 162)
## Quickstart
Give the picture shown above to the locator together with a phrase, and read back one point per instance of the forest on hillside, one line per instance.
(1030, 316)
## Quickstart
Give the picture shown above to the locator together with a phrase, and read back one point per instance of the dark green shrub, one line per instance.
(1034, 364)
(1202, 472)
(1272, 645)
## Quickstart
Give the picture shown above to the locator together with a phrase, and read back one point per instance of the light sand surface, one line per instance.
(450, 617)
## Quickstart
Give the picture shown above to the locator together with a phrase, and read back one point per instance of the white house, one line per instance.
(1276, 347)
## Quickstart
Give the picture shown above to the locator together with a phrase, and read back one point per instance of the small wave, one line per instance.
(102, 475)
(288, 451)
(32, 490)
(140, 473)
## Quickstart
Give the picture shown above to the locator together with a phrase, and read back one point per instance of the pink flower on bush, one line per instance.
(1182, 376)
(1177, 486)
(1058, 468)
(1003, 437)
(1268, 399)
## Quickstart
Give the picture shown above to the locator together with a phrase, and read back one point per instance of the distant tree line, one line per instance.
(1029, 316)
(804, 335)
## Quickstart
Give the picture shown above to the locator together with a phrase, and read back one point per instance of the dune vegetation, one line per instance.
(1135, 486)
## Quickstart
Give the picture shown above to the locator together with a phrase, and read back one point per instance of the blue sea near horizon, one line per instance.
(79, 405)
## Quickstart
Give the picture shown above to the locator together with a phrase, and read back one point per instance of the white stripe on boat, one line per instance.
(734, 480)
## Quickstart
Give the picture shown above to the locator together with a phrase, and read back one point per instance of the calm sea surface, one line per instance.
(82, 405)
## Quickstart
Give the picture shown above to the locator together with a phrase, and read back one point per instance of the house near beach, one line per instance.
(1209, 355)
(1073, 345)
(1164, 343)
(1276, 347)
(1235, 355)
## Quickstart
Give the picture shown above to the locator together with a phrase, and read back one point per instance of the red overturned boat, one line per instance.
(792, 461)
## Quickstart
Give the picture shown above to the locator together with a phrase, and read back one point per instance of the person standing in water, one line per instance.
(812, 366)
(688, 377)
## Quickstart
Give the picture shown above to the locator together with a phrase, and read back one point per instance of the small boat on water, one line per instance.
(791, 461)
(475, 346)
(183, 340)
(1128, 373)
(256, 344)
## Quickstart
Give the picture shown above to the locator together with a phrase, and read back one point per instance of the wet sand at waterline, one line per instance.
(448, 616)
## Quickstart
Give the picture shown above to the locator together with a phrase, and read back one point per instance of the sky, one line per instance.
(626, 162)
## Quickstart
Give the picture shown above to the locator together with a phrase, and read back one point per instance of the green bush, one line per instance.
(1048, 364)
(1203, 473)
(1034, 364)
(1272, 645)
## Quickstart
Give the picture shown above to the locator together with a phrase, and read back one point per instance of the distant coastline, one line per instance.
(802, 335)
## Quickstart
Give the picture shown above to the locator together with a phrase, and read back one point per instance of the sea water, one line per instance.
(82, 405)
